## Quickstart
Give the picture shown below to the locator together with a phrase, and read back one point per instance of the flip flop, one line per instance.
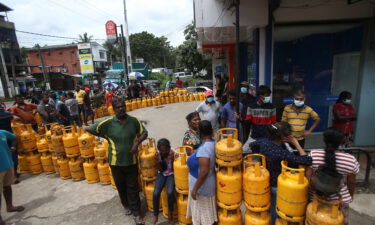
(16, 209)
(138, 220)
(128, 212)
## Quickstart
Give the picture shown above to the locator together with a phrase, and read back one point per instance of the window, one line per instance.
(101, 54)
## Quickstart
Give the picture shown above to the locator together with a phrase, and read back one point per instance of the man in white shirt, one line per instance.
(210, 109)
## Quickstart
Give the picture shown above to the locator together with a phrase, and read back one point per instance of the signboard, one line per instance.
(85, 58)
(111, 31)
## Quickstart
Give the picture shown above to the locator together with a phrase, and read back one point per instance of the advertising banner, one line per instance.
(85, 58)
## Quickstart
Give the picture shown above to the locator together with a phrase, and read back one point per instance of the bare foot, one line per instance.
(156, 218)
(15, 209)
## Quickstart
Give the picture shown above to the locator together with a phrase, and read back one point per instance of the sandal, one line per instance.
(139, 221)
(128, 212)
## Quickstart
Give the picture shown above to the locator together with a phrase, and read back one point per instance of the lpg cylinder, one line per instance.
(149, 193)
(42, 143)
(64, 170)
(22, 163)
(18, 128)
(95, 113)
(110, 110)
(164, 203)
(38, 119)
(99, 150)
(99, 112)
(162, 100)
(184, 91)
(48, 136)
(139, 103)
(57, 140)
(86, 143)
(229, 217)
(55, 164)
(256, 183)
(229, 148)
(280, 221)
(229, 187)
(144, 103)
(76, 168)
(33, 161)
(176, 99)
(182, 207)
(70, 141)
(104, 174)
(191, 97)
(292, 193)
(149, 102)
(185, 97)
(257, 218)
(91, 171)
(180, 98)
(320, 211)
(47, 164)
(181, 170)
(105, 110)
(154, 103)
(134, 104)
(148, 163)
(28, 139)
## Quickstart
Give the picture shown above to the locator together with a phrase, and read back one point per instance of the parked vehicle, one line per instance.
(182, 75)
(198, 89)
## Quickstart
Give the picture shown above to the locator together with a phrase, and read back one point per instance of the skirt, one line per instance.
(203, 210)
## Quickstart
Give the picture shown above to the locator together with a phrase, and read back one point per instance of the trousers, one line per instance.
(162, 181)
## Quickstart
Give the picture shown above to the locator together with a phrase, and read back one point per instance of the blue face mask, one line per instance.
(210, 99)
(267, 99)
(243, 90)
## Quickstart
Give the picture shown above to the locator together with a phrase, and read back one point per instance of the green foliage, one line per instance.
(113, 51)
(85, 37)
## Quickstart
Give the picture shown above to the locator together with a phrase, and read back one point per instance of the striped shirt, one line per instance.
(298, 120)
(260, 116)
(346, 164)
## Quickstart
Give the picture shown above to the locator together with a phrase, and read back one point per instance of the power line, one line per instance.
(54, 36)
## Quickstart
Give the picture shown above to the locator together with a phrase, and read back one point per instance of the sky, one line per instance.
(70, 18)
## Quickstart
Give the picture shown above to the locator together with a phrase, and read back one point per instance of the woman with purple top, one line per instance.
(165, 177)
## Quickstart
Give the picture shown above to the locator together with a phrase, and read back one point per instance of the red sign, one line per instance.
(110, 28)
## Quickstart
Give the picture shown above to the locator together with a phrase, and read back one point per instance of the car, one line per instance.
(182, 75)
(198, 89)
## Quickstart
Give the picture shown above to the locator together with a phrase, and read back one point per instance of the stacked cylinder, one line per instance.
(181, 174)
(29, 147)
(229, 176)
(256, 190)
(86, 143)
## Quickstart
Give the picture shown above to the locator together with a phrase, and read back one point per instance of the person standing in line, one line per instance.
(202, 179)
(246, 99)
(344, 116)
(51, 100)
(108, 97)
(229, 116)
(87, 107)
(7, 172)
(72, 105)
(136, 89)
(59, 93)
(64, 111)
(80, 94)
(192, 136)
(164, 178)
(97, 99)
(297, 115)
(168, 85)
(179, 83)
(124, 133)
(48, 113)
(210, 109)
(23, 112)
(259, 114)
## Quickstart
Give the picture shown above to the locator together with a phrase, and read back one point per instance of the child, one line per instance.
(165, 177)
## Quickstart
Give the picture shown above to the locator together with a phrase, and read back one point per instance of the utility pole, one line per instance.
(237, 85)
(124, 53)
(45, 76)
(7, 91)
(15, 83)
(128, 50)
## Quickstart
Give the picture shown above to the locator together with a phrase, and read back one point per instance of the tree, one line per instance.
(187, 54)
(113, 51)
(156, 51)
(85, 37)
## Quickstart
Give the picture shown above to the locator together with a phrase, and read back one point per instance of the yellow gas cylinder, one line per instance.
(175, 91)
(180, 98)
(47, 164)
(148, 163)
(256, 183)
(54, 162)
(196, 96)
(48, 136)
(104, 174)
(184, 91)
(86, 143)
(144, 102)
(164, 203)
(149, 193)
(201, 96)
(42, 143)
(292, 193)
(181, 170)
(112, 180)
(76, 168)
(229, 217)
(91, 171)
(185, 97)
(162, 100)
(230, 148)
(128, 106)
(99, 112)
(191, 97)
(139, 103)
(64, 170)
(18, 128)
(176, 99)
(105, 110)
(28, 139)
(166, 100)
(134, 104)
(33, 161)
(95, 113)
(280, 221)
(99, 150)
(41, 131)
(110, 110)
(70, 141)
(320, 211)
(182, 207)
(158, 101)
(257, 218)
(57, 140)
(229, 187)
(23, 166)
(38, 119)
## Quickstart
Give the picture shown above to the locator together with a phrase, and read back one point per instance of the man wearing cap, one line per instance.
(210, 109)
(246, 99)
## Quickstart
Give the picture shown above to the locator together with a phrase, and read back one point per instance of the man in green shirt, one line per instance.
(124, 133)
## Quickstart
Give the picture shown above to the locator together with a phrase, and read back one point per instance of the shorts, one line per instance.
(6, 178)
(89, 112)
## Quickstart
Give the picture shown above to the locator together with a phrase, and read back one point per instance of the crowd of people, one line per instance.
(259, 131)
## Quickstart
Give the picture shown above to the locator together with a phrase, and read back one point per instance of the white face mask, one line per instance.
(267, 99)
(299, 103)
(347, 101)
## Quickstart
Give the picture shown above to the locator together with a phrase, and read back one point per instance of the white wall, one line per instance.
(95, 48)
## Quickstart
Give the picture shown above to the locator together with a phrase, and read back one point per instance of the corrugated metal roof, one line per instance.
(4, 8)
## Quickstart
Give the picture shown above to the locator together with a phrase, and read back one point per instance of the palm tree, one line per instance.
(85, 37)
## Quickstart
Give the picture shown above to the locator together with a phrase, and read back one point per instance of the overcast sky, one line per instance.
(69, 18)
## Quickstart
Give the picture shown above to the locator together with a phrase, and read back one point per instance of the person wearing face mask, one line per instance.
(246, 99)
(210, 109)
(344, 116)
(274, 151)
(259, 114)
(297, 115)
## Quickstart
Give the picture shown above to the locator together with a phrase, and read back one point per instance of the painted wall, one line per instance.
(366, 111)
(95, 48)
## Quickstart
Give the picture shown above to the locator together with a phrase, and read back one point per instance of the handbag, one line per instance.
(326, 181)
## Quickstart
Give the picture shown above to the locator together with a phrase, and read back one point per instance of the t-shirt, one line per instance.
(6, 161)
(344, 110)
(346, 164)
(121, 137)
(228, 113)
(179, 83)
(205, 150)
(46, 109)
(79, 96)
(97, 100)
(72, 105)
(210, 112)
(63, 110)
(25, 113)
(5, 121)
(298, 120)
(260, 116)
